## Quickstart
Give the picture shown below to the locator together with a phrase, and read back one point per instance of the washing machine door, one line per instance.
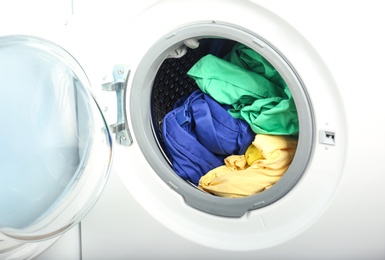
(55, 147)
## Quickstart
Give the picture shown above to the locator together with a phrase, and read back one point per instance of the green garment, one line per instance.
(252, 86)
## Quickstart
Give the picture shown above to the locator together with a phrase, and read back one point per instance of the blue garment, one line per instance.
(199, 133)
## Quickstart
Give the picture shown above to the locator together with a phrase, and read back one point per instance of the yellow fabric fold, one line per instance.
(263, 164)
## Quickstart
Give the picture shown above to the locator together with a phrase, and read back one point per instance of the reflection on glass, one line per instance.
(45, 131)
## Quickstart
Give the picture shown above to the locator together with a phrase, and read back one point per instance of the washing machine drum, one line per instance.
(229, 119)
(250, 64)
(56, 148)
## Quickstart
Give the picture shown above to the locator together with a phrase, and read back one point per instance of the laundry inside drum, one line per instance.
(224, 117)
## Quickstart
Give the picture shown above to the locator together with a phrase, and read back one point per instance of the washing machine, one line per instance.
(87, 172)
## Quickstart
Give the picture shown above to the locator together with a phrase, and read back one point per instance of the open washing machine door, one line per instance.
(56, 148)
(258, 221)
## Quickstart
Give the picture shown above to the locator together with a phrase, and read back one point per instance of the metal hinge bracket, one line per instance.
(119, 85)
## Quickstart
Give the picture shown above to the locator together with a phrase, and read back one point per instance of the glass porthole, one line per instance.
(55, 146)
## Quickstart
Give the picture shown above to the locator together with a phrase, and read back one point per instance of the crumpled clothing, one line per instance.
(199, 133)
(252, 86)
(263, 164)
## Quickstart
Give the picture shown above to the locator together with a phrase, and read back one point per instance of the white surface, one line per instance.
(348, 38)
(21, 11)
(68, 247)
(141, 225)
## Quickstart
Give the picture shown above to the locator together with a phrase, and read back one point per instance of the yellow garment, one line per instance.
(264, 163)
(252, 154)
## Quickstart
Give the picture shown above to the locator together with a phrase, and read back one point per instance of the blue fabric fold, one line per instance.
(199, 133)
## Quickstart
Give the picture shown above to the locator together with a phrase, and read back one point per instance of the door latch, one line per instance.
(327, 137)
(119, 85)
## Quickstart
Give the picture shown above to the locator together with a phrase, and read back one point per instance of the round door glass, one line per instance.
(55, 146)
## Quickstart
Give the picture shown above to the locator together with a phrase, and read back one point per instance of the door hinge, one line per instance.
(119, 85)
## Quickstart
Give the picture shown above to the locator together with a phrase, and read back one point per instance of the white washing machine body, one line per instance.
(318, 217)
(330, 204)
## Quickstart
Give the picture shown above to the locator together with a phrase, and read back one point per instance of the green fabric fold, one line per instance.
(252, 86)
